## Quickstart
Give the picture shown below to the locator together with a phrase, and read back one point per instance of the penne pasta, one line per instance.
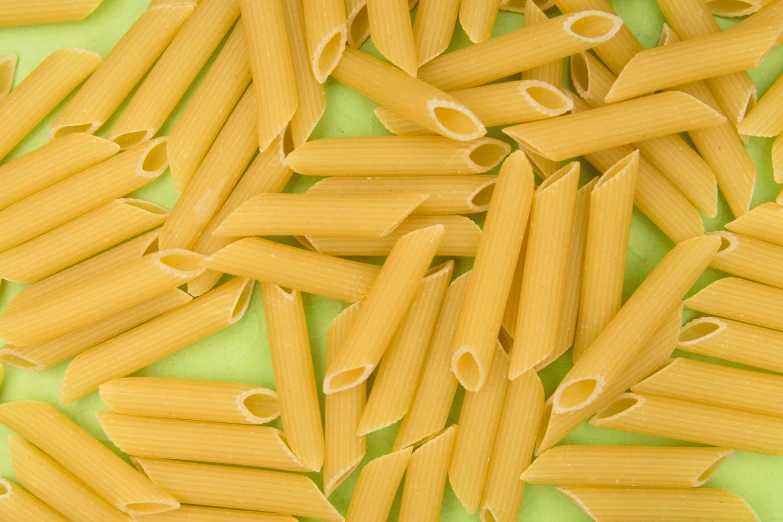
(206, 514)
(38, 94)
(80, 193)
(325, 26)
(765, 223)
(377, 486)
(433, 28)
(392, 34)
(693, 422)
(771, 11)
(476, 332)
(123, 68)
(626, 466)
(383, 309)
(400, 368)
(90, 461)
(477, 18)
(740, 300)
(357, 24)
(172, 331)
(765, 118)
(240, 488)
(396, 156)
(45, 12)
(173, 73)
(513, 449)
(518, 6)
(608, 230)
(189, 399)
(16, 503)
(733, 341)
(552, 72)
(295, 268)
(591, 79)
(734, 8)
(777, 162)
(292, 365)
(51, 164)
(748, 258)
(500, 57)
(7, 72)
(210, 107)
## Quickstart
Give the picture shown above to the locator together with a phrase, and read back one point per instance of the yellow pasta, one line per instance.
(741, 300)
(16, 503)
(591, 79)
(240, 488)
(500, 57)
(344, 449)
(383, 309)
(89, 460)
(34, 12)
(392, 34)
(448, 194)
(733, 8)
(648, 505)
(191, 400)
(206, 514)
(425, 481)
(552, 72)
(475, 335)
(546, 264)
(770, 12)
(513, 449)
(518, 6)
(693, 422)
(433, 28)
(214, 179)
(430, 408)
(41, 91)
(173, 73)
(210, 107)
(51, 164)
(477, 18)
(733, 341)
(377, 485)
(777, 162)
(80, 193)
(58, 487)
(295, 268)
(400, 368)
(765, 118)
(357, 23)
(292, 365)
(41, 356)
(7, 71)
(608, 230)
(748, 258)
(764, 223)
(123, 68)
(396, 156)
(325, 26)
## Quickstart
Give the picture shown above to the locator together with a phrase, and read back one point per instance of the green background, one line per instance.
(241, 353)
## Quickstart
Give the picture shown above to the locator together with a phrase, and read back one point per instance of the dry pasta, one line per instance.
(764, 223)
(378, 482)
(33, 12)
(552, 72)
(357, 23)
(734, 8)
(433, 28)
(477, 18)
(16, 503)
(325, 26)
(207, 514)
(765, 118)
(7, 71)
(518, 6)
(741, 300)
(392, 34)
(777, 161)
(748, 258)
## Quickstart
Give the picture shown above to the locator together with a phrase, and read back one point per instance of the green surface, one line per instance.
(241, 353)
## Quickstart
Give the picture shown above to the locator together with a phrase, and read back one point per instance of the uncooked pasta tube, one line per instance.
(378, 482)
(433, 28)
(207, 514)
(477, 18)
(766, 118)
(7, 71)
(734, 8)
(552, 72)
(392, 34)
(764, 222)
(18, 504)
(34, 12)
(741, 300)
(325, 26)
(748, 258)
(357, 22)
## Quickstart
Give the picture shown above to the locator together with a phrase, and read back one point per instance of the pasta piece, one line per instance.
(214, 179)
(433, 28)
(476, 332)
(741, 300)
(123, 68)
(357, 23)
(200, 441)
(344, 449)
(769, 12)
(240, 488)
(191, 400)
(513, 449)
(39, 473)
(608, 230)
(732, 8)
(477, 18)
(51, 164)
(518, 6)
(384, 309)
(765, 119)
(546, 264)
(292, 364)
(447, 194)
(500, 57)
(7, 71)
(592, 79)
(328, 215)
(400, 368)
(274, 80)
(693, 422)
(392, 34)
(606, 127)
(626, 466)
(16, 503)
(422, 494)
(34, 12)
(378, 482)
(325, 26)
(733, 341)
(210, 107)
(478, 424)
(80, 193)
(510, 315)
(41, 91)
(295, 268)
(205, 514)
(396, 156)
(552, 72)
(497, 104)
(764, 223)
(41, 356)
(777, 162)
(647, 505)
(79, 239)
(748, 258)
(173, 73)
(623, 337)
(156, 339)
(542, 166)
(86, 458)
(430, 408)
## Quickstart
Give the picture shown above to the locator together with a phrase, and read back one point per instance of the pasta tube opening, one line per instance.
(287, 143)
(16, 360)
(480, 199)
(347, 379)
(728, 242)
(155, 160)
(358, 25)
(328, 53)
(733, 8)
(242, 302)
(186, 263)
(700, 330)
(129, 139)
(5, 488)
(576, 500)
(711, 469)
(455, 121)
(487, 154)
(578, 394)
(7, 69)
(467, 369)
(593, 26)
(546, 98)
(580, 74)
(64, 130)
(145, 206)
(543, 426)
(259, 406)
(623, 404)
(148, 508)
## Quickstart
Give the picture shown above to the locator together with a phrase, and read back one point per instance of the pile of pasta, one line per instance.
(120, 283)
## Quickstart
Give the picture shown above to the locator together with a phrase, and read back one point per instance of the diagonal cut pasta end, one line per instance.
(328, 53)
(467, 368)
(593, 26)
(455, 121)
(7, 70)
(700, 330)
(12, 355)
(358, 24)
(184, 263)
(577, 394)
(545, 98)
(259, 405)
(617, 408)
(154, 160)
(486, 154)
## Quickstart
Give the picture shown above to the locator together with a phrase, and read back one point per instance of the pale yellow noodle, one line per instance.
(771, 11)
(748, 258)
(766, 118)
(325, 26)
(733, 8)
(477, 18)
(544, 167)
(7, 71)
(18, 504)
(392, 34)
(518, 6)
(765, 222)
(377, 486)
(508, 325)
(552, 72)
(206, 514)
(741, 300)
(357, 22)
(434, 27)
(777, 162)
(34, 12)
